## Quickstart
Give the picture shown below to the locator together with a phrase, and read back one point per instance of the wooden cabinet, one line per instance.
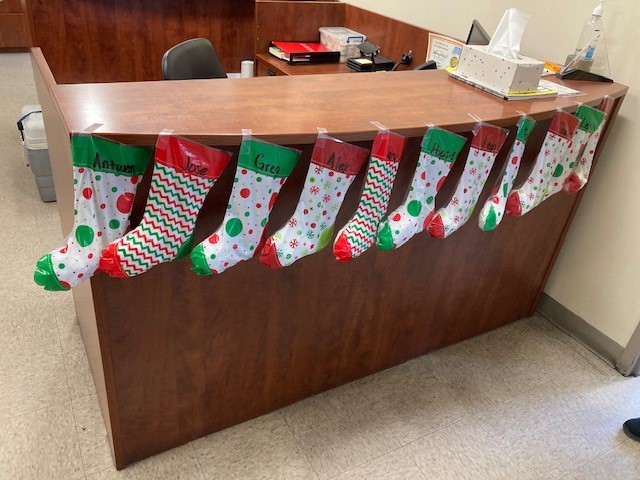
(14, 24)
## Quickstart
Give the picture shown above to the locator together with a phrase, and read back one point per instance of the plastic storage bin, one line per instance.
(36, 152)
(342, 39)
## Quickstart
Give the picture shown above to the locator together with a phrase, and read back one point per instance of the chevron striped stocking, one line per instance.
(183, 174)
(262, 170)
(359, 233)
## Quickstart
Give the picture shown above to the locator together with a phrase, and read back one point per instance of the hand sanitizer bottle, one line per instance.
(591, 34)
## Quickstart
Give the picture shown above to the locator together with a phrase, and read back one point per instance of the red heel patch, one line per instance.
(269, 255)
(514, 209)
(110, 262)
(341, 249)
(436, 228)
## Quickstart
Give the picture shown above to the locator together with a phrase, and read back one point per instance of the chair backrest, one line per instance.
(195, 58)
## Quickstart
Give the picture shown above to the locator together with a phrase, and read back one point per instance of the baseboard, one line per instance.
(575, 326)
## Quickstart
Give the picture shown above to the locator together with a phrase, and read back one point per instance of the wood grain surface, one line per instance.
(113, 41)
(293, 21)
(392, 36)
(288, 109)
(280, 67)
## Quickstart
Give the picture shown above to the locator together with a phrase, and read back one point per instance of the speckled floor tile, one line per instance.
(335, 406)
(92, 435)
(31, 380)
(462, 451)
(478, 378)
(338, 446)
(411, 401)
(259, 449)
(177, 464)
(395, 465)
(40, 445)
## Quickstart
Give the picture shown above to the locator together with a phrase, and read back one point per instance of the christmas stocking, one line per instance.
(487, 142)
(105, 178)
(360, 232)
(183, 174)
(580, 175)
(438, 151)
(493, 210)
(590, 120)
(262, 170)
(554, 148)
(334, 165)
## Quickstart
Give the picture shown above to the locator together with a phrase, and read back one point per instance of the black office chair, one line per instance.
(195, 58)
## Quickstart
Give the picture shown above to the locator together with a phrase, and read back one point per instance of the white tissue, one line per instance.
(506, 40)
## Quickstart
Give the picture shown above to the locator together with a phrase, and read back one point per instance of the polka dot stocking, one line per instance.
(105, 177)
(359, 233)
(554, 149)
(487, 142)
(590, 121)
(438, 151)
(334, 165)
(580, 175)
(184, 173)
(493, 209)
(262, 170)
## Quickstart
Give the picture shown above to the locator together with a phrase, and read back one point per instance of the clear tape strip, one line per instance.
(475, 117)
(379, 125)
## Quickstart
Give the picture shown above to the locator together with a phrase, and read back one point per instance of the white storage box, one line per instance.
(36, 152)
(343, 40)
(498, 73)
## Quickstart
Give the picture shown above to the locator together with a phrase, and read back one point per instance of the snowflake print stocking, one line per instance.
(334, 165)
(360, 232)
(580, 175)
(262, 170)
(554, 148)
(487, 142)
(183, 174)
(590, 121)
(105, 178)
(438, 151)
(493, 210)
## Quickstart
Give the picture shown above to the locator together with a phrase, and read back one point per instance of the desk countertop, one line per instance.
(288, 110)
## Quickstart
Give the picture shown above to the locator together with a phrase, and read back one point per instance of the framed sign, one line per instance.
(445, 51)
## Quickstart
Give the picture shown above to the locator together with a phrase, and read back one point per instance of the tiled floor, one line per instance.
(522, 402)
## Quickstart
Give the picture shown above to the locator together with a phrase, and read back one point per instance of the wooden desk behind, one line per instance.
(268, 65)
(176, 356)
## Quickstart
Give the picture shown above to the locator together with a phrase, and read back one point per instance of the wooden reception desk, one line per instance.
(176, 356)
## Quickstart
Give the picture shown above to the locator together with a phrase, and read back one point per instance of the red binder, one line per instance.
(303, 52)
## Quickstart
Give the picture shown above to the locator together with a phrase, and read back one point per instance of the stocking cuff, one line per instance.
(189, 157)
(102, 155)
(442, 144)
(267, 159)
(489, 138)
(338, 156)
(564, 124)
(591, 118)
(388, 146)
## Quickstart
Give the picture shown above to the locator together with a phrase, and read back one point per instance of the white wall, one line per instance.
(597, 274)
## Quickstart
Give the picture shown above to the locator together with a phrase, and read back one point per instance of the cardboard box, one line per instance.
(498, 73)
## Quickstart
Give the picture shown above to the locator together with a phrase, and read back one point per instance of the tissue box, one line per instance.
(498, 73)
